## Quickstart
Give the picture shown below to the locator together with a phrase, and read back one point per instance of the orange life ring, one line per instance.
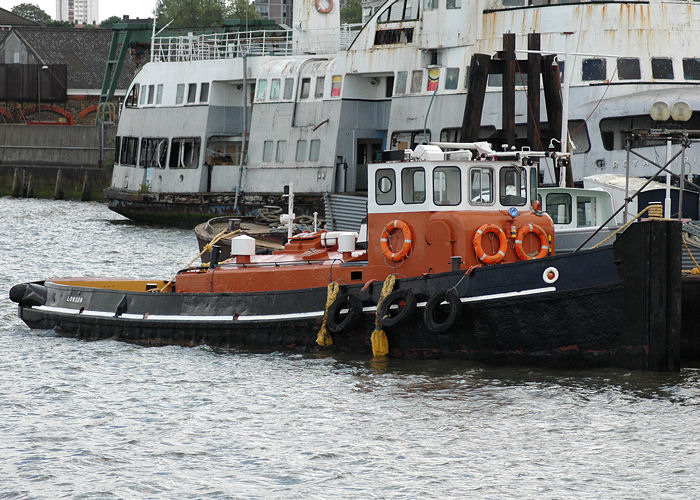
(479, 249)
(407, 240)
(324, 10)
(540, 233)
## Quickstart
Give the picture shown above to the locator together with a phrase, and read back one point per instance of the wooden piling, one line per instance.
(478, 77)
(85, 193)
(508, 90)
(58, 190)
(534, 62)
(30, 187)
(17, 183)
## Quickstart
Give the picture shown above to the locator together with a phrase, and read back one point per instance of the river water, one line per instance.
(109, 419)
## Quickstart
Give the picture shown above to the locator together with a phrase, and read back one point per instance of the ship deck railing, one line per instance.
(214, 46)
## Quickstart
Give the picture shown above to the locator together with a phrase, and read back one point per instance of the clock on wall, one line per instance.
(324, 6)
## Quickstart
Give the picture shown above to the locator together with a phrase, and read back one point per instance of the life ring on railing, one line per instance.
(440, 323)
(479, 249)
(537, 231)
(405, 303)
(335, 321)
(407, 240)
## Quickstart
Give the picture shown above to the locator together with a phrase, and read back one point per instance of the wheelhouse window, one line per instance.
(662, 68)
(184, 152)
(409, 139)
(586, 211)
(430, 4)
(320, 82)
(613, 137)
(180, 93)
(159, 94)
(400, 10)
(268, 148)
(153, 152)
(593, 69)
(481, 186)
(288, 88)
(204, 92)
(559, 207)
(447, 186)
(144, 92)
(314, 149)
(401, 78)
(151, 93)
(129, 150)
(628, 68)
(281, 151)
(132, 100)
(413, 185)
(691, 68)
(301, 151)
(274, 89)
(305, 88)
(262, 90)
(454, 4)
(385, 186)
(513, 186)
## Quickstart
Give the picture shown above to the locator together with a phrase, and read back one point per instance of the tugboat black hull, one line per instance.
(616, 306)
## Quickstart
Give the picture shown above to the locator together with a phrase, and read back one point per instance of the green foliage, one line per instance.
(191, 13)
(31, 12)
(109, 22)
(60, 24)
(238, 9)
(352, 12)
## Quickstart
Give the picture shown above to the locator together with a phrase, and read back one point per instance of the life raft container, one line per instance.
(537, 231)
(479, 249)
(385, 245)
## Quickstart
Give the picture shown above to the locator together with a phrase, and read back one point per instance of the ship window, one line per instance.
(578, 131)
(305, 88)
(389, 86)
(204, 92)
(513, 186)
(430, 4)
(336, 85)
(416, 81)
(153, 152)
(454, 4)
(613, 138)
(586, 213)
(267, 151)
(133, 98)
(144, 91)
(262, 90)
(191, 93)
(129, 150)
(314, 149)
(281, 151)
(662, 68)
(495, 80)
(401, 77)
(593, 69)
(180, 94)
(400, 10)
(413, 185)
(534, 181)
(451, 78)
(628, 68)
(559, 207)
(117, 148)
(481, 186)
(301, 151)
(288, 88)
(409, 139)
(447, 186)
(151, 92)
(223, 152)
(274, 89)
(184, 153)
(159, 94)
(466, 77)
(691, 68)
(385, 186)
(320, 82)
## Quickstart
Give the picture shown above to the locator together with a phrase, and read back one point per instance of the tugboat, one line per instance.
(456, 260)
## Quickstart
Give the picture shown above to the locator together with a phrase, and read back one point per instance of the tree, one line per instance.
(191, 13)
(31, 12)
(239, 8)
(109, 22)
(352, 12)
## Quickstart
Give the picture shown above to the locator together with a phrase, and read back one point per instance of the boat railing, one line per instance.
(212, 46)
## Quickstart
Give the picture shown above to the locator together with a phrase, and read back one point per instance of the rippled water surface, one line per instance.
(109, 419)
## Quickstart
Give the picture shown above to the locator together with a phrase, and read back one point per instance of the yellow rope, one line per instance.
(380, 344)
(696, 269)
(207, 248)
(622, 228)
(323, 337)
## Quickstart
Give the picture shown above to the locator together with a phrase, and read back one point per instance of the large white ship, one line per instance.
(313, 105)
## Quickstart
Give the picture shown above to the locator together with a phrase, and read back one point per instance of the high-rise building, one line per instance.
(78, 11)
(278, 10)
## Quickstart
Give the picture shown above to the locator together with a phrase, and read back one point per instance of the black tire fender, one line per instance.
(337, 323)
(404, 295)
(28, 294)
(436, 325)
